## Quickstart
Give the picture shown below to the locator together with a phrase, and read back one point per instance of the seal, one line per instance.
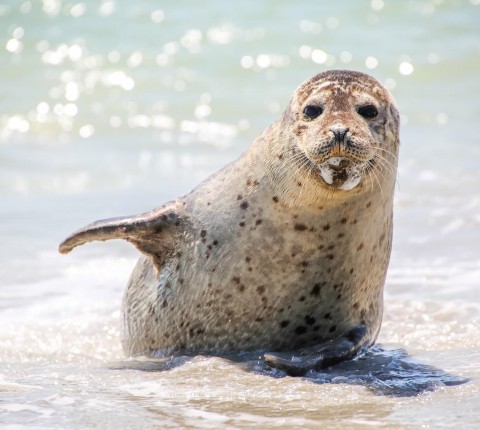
(285, 249)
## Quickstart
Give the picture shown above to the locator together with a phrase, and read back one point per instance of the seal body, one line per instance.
(286, 247)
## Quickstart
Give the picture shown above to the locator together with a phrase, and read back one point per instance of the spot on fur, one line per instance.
(300, 227)
(301, 329)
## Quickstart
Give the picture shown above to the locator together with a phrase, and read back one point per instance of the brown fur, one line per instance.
(265, 254)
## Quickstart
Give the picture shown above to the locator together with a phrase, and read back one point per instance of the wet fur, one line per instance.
(264, 254)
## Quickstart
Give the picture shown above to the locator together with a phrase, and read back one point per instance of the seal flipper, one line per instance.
(152, 233)
(318, 357)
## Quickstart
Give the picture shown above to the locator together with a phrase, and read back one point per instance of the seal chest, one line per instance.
(287, 247)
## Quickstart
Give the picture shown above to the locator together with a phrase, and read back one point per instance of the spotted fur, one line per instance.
(265, 254)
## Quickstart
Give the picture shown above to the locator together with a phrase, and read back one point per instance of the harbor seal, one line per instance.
(285, 249)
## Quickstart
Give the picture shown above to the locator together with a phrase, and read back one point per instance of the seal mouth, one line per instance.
(340, 173)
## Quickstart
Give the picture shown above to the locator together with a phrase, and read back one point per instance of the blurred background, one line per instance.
(111, 108)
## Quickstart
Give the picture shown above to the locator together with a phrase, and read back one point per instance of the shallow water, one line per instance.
(110, 108)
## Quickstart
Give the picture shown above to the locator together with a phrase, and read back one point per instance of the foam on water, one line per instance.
(113, 108)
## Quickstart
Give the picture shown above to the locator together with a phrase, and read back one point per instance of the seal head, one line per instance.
(345, 129)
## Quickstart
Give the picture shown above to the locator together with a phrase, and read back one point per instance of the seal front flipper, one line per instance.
(153, 233)
(318, 357)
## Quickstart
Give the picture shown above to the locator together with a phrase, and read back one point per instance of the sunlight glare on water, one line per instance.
(110, 108)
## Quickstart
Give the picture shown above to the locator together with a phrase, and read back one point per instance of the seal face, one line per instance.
(285, 248)
(345, 129)
(339, 138)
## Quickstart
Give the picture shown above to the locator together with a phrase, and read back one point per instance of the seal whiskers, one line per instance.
(372, 172)
(384, 162)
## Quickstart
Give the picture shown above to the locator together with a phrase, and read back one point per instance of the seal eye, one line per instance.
(368, 111)
(311, 112)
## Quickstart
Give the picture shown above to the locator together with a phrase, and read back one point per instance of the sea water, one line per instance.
(112, 108)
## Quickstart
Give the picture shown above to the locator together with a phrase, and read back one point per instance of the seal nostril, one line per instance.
(339, 132)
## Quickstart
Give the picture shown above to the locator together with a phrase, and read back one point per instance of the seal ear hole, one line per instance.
(312, 111)
(368, 111)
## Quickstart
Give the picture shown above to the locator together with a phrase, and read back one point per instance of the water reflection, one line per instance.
(384, 372)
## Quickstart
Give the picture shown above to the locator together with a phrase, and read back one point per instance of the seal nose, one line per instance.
(339, 132)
